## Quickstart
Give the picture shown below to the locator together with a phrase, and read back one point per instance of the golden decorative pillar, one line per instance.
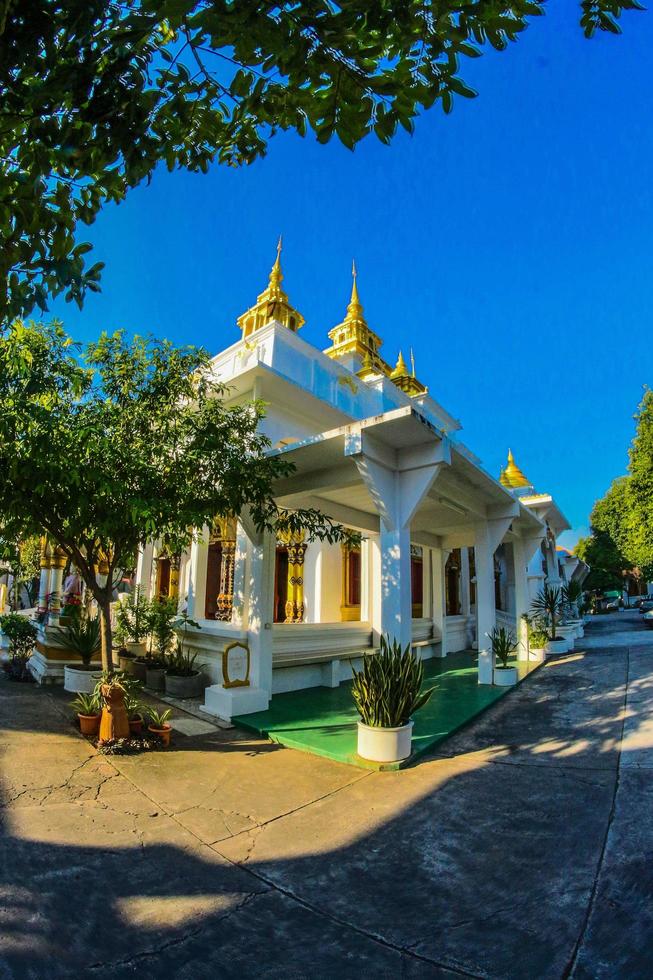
(272, 305)
(173, 588)
(295, 593)
(58, 563)
(44, 581)
(226, 593)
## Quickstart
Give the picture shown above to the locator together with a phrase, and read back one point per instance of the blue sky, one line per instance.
(510, 244)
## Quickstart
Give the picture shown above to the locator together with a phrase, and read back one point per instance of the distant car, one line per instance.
(648, 618)
(613, 605)
(646, 605)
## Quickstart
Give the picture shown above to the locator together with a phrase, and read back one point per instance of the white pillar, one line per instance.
(464, 582)
(396, 610)
(438, 561)
(55, 589)
(522, 603)
(261, 612)
(241, 592)
(144, 568)
(197, 574)
(44, 581)
(485, 608)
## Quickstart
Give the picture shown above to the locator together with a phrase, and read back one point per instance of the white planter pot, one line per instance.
(537, 654)
(558, 646)
(138, 649)
(505, 676)
(384, 744)
(80, 681)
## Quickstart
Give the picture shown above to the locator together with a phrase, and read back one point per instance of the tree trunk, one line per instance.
(107, 635)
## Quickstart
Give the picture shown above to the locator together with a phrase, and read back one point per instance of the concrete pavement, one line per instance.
(522, 848)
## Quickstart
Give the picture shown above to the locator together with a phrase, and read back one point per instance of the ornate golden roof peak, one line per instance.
(512, 477)
(272, 304)
(405, 380)
(354, 337)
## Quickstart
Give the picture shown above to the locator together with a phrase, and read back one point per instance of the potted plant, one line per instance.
(537, 641)
(183, 673)
(387, 692)
(161, 628)
(133, 622)
(549, 602)
(159, 724)
(87, 709)
(114, 723)
(133, 704)
(82, 636)
(21, 634)
(503, 646)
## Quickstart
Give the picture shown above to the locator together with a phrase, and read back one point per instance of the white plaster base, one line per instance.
(80, 681)
(505, 676)
(46, 671)
(537, 654)
(558, 646)
(384, 744)
(226, 702)
(485, 667)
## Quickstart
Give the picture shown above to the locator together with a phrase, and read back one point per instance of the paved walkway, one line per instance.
(521, 848)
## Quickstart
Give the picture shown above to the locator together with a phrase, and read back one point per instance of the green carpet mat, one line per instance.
(322, 720)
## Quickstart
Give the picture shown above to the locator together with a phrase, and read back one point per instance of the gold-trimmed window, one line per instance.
(350, 606)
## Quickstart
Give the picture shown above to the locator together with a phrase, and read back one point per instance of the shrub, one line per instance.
(81, 635)
(181, 664)
(388, 689)
(134, 617)
(21, 634)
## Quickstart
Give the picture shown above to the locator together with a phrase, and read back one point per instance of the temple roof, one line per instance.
(406, 380)
(272, 304)
(354, 335)
(512, 477)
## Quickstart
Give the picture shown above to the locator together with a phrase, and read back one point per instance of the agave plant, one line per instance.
(388, 689)
(549, 601)
(82, 636)
(503, 645)
(158, 719)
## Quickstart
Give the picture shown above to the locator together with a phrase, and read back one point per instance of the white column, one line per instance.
(522, 603)
(464, 581)
(261, 612)
(438, 561)
(241, 592)
(485, 608)
(55, 589)
(396, 611)
(199, 550)
(366, 581)
(44, 581)
(144, 568)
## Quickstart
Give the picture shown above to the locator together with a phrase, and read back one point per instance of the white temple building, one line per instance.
(447, 550)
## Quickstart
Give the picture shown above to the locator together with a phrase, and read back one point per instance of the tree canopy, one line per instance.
(622, 520)
(123, 441)
(95, 93)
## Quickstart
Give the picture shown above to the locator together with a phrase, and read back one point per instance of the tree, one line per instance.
(96, 93)
(23, 557)
(639, 525)
(606, 562)
(106, 447)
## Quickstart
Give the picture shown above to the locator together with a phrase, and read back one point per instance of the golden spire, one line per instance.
(353, 339)
(271, 305)
(407, 382)
(512, 477)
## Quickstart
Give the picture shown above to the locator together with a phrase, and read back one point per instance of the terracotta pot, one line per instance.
(114, 723)
(136, 725)
(163, 733)
(89, 724)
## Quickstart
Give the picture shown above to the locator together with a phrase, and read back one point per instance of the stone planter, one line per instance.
(80, 680)
(384, 744)
(567, 633)
(557, 646)
(139, 669)
(155, 678)
(126, 663)
(185, 687)
(138, 649)
(505, 676)
(537, 654)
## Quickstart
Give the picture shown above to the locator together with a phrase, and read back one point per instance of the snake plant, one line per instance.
(388, 688)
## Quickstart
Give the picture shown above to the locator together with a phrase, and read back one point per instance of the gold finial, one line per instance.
(512, 477)
(272, 304)
(355, 308)
(400, 370)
